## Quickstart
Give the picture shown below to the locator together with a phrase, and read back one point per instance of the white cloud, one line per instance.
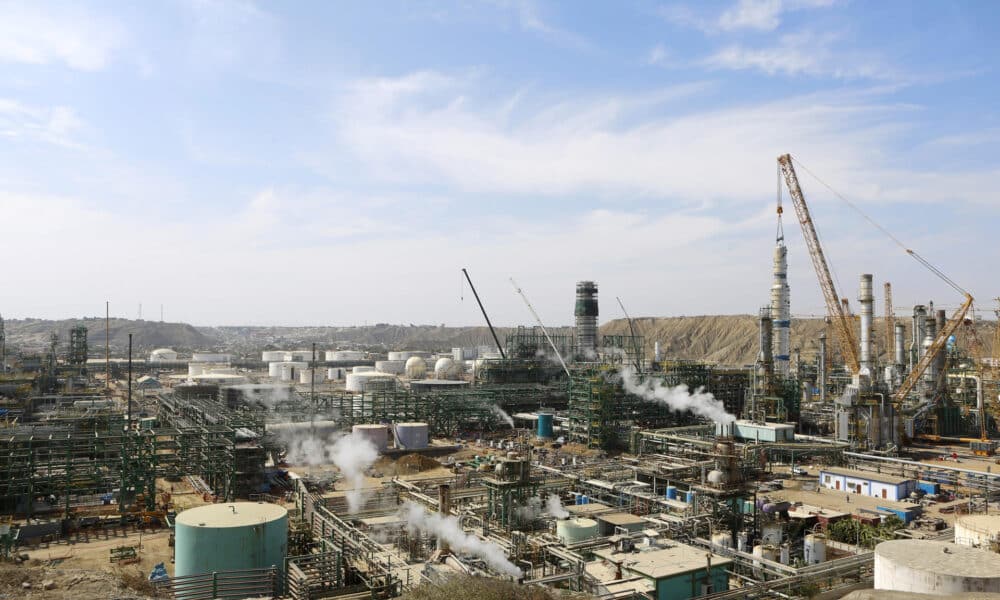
(757, 15)
(530, 19)
(54, 125)
(658, 55)
(33, 34)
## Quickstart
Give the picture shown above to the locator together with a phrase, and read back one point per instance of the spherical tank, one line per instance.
(411, 436)
(446, 368)
(572, 531)
(977, 531)
(232, 536)
(941, 568)
(162, 354)
(378, 435)
(416, 367)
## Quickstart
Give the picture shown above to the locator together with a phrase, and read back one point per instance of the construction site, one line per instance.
(583, 462)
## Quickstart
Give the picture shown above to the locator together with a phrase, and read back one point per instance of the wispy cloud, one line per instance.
(658, 55)
(755, 15)
(33, 34)
(54, 125)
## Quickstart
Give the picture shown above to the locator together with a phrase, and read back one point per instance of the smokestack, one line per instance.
(586, 318)
(444, 507)
(765, 356)
(867, 299)
(900, 335)
(917, 333)
(821, 368)
(780, 309)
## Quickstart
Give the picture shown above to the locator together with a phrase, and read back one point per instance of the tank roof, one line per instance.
(989, 523)
(941, 558)
(231, 514)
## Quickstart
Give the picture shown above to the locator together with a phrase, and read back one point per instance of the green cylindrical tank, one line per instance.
(226, 537)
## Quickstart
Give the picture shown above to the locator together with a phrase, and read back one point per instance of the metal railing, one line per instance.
(248, 583)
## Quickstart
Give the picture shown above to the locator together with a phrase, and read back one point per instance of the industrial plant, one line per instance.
(584, 460)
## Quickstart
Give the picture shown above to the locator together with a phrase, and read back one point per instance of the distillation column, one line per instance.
(821, 368)
(867, 299)
(781, 310)
(917, 333)
(900, 359)
(586, 319)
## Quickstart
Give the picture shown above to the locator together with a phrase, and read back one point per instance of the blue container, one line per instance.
(671, 492)
(579, 499)
(929, 487)
(545, 425)
(690, 497)
(585, 499)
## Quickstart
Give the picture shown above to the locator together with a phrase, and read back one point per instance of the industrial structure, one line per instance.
(576, 458)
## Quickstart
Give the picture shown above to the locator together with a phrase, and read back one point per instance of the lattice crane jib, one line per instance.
(933, 350)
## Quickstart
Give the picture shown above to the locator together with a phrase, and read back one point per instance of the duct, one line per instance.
(867, 300)
(780, 310)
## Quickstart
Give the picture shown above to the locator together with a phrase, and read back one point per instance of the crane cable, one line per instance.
(923, 261)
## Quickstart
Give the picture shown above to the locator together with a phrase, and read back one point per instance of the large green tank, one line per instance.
(226, 537)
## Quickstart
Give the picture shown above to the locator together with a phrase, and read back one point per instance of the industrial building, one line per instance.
(585, 458)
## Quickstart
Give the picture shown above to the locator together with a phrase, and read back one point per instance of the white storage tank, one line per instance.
(230, 536)
(814, 548)
(376, 434)
(416, 367)
(362, 369)
(722, 539)
(361, 382)
(978, 531)
(940, 568)
(573, 531)
(393, 367)
(274, 369)
(447, 368)
(290, 370)
(270, 356)
(195, 369)
(309, 376)
(411, 436)
(161, 354)
(771, 534)
(337, 355)
(336, 373)
(301, 355)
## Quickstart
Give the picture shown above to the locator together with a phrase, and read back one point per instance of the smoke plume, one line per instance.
(447, 528)
(555, 508)
(678, 397)
(503, 415)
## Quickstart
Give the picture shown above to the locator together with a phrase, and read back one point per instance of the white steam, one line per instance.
(447, 528)
(555, 508)
(503, 415)
(352, 453)
(530, 511)
(678, 397)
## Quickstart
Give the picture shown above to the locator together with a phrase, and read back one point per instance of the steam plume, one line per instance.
(678, 398)
(555, 508)
(352, 453)
(447, 527)
(503, 415)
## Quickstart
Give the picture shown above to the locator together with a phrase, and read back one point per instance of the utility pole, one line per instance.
(107, 347)
(129, 421)
(312, 377)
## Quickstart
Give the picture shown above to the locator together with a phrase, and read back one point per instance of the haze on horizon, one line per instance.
(319, 163)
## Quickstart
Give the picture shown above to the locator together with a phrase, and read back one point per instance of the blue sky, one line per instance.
(340, 162)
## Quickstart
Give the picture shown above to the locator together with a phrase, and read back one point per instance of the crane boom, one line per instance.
(539, 321)
(932, 351)
(890, 324)
(842, 323)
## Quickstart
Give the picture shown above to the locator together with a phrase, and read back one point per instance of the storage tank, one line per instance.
(301, 355)
(195, 369)
(978, 531)
(362, 369)
(307, 376)
(814, 548)
(573, 531)
(274, 369)
(545, 426)
(722, 539)
(290, 370)
(336, 355)
(415, 368)
(446, 368)
(940, 568)
(209, 357)
(272, 356)
(336, 373)
(362, 382)
(376, 434)
(394, 367)
(161, 354)
(230, 536)
(771, 534)
(411, 436)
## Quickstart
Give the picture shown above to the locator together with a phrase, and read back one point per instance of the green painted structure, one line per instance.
(230, 536)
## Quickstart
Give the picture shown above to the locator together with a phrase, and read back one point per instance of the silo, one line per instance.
(939, 568)
(228, 537)
(586, 318)
(411, 436)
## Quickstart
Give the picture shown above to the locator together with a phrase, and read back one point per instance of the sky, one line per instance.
(339, 163)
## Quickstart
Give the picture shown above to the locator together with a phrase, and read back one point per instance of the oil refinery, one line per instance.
(574, 459)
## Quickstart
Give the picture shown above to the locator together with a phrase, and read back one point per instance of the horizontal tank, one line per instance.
(230, 536)
(411, 436)
(940, 568)
(574, 531)
(378, 435)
